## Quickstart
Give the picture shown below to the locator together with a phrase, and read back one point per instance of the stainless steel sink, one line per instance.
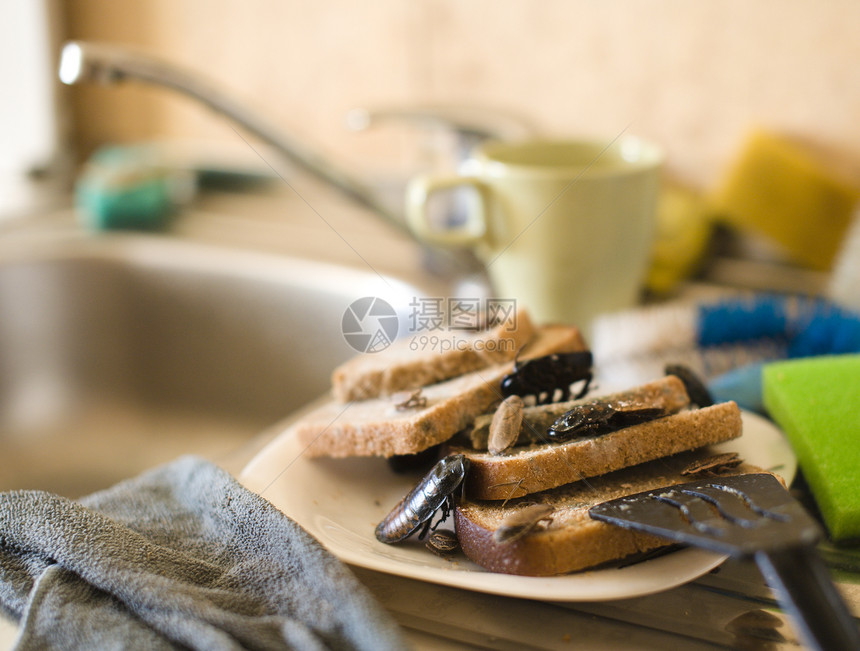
(123, 351)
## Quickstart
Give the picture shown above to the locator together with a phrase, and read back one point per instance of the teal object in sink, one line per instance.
(129, 188)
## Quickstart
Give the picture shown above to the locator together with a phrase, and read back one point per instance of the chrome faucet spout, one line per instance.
(95, 62)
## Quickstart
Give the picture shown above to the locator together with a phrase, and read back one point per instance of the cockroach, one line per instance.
(595, 418)
(443, 542)
(696, 389)
(415, 511)
(404, 463)
(714, 465)
(541, 377)
(506, 424)
(406, 400)
(521, 522)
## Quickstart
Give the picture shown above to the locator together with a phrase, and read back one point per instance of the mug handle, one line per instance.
(471, 231)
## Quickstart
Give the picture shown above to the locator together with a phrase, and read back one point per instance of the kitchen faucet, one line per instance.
(85, 62)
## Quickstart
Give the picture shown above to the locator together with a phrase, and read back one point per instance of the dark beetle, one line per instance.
(696, 389)
(600, 418)
(542, 376)
(417, 508)
(404, 463)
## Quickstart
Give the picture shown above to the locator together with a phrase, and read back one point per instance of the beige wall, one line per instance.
(692, 75)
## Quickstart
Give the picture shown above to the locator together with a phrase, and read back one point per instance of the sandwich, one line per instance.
(556, 460)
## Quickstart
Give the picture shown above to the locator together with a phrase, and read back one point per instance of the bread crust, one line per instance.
(571, 541)
(540, 466)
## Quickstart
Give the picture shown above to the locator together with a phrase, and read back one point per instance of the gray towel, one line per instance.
(182, 556)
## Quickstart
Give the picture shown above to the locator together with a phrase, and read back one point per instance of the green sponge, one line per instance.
(815, 400)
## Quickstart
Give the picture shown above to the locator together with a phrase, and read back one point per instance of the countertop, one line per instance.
(730, 607)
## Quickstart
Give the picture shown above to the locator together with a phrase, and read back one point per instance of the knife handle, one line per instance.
(805, 590)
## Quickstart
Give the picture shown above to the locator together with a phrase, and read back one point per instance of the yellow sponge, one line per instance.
(777, 189)
(815, 402)
(683, 234)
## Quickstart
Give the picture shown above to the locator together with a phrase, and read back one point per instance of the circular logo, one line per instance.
(369, 324)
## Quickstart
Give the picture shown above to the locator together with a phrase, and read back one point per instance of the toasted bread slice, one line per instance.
(667, 393)
(404, 366)
(540, 466)
(570, 540)
(379, 428)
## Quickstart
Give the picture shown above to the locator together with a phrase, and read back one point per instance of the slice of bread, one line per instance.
(668, 393)
(379, 428)
(407, 365)
(540, 466)
(571, 540)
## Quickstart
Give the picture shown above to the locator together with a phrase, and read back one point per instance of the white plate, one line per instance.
(340, 502)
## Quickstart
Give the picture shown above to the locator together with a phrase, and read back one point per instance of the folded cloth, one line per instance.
(182, 556)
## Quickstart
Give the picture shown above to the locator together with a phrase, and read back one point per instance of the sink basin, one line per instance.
(120, 352)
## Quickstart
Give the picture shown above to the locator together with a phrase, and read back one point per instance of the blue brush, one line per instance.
(725, 340)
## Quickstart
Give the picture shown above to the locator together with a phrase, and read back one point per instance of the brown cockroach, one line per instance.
(713, 465)
(521, 522)
(506, 424)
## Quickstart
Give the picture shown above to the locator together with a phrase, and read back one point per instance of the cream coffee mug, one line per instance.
(564, 227)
